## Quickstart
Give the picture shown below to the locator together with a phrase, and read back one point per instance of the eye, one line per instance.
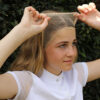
(63, 46)
(74, 44)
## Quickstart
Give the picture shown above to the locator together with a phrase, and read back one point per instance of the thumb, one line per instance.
(80, 16)
(45, 23)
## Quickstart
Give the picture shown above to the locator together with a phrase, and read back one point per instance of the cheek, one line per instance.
(75, 54)
(57, 55)
(53, 56)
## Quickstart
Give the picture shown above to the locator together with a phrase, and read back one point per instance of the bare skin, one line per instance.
(61, 51)
(31, 24)
(91, 16)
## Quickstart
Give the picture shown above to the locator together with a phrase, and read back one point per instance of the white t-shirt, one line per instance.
(67, 86)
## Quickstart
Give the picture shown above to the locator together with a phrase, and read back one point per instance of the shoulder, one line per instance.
(82, 71)
(78, 72)
(80, 66)
(21, 76)
(8, 86)
(23, 81)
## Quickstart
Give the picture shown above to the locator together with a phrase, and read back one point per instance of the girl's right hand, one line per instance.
(32, 22)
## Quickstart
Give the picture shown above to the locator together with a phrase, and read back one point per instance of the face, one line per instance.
(61, 51)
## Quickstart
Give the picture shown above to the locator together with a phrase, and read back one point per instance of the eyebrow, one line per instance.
(65, 42)
(75, 40)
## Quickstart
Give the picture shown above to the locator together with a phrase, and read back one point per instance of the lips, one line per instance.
(68, 61)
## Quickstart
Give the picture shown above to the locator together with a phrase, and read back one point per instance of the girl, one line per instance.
(45, 68)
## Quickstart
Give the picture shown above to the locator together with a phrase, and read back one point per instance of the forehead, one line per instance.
(64, 34)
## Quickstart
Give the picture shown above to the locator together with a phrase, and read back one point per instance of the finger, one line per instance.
(28, 12)
(45, 23)
(29, 9)
(80, 9)
(83, 9)
(76, 14)
(43, 15)
(36, 16)
(48, 18)
(86, 8)
(80, 16)
(92, 5)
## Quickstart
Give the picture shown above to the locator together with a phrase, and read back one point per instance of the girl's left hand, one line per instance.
(89, 15)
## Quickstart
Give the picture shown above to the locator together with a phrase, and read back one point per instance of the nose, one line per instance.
(70, 51)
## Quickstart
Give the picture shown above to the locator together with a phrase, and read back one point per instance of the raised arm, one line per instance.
(31, 24)
(91, 16)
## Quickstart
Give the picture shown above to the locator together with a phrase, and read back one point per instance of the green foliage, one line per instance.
(11, 12)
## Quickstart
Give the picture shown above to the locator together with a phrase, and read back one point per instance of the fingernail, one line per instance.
(78, 7)
(49, 18)
(86, 11)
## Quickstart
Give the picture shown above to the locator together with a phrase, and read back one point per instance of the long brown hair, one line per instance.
(31, 55)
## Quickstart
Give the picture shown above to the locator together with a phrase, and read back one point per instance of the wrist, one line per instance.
(19, 32)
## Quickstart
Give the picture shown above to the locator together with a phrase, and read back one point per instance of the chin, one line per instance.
(67, 68)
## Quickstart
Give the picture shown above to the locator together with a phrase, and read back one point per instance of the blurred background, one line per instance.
(11, 12)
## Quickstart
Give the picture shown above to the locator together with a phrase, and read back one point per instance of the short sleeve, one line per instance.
(18, 83)
(82, 70)
(24, 83)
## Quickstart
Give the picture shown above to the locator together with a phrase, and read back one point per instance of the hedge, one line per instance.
(11, 12)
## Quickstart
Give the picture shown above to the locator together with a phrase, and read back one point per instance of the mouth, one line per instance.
(68, 61)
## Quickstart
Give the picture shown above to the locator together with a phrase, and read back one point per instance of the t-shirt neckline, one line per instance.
(46, 75)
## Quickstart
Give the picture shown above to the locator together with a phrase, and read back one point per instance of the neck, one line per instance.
(53, 70)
